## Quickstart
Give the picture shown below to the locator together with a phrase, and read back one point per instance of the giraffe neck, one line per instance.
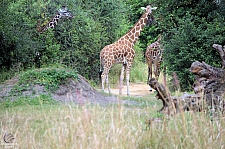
(51, 24)
(133, 35)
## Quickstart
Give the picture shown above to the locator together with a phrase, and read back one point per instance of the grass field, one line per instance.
(115, 126)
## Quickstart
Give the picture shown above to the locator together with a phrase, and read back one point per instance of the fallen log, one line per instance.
(210, 82)
(209, 89)
(173, 105)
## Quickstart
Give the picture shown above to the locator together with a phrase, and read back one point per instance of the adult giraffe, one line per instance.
(122, 50)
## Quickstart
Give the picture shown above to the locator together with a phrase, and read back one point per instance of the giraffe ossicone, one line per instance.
(144, 8)
(122, 51)
(63, 12)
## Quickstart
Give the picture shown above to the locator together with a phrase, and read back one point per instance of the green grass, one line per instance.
(88, 126)
(6, 74)
(43, 99)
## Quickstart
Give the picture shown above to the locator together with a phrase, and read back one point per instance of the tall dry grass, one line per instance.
(95, 127)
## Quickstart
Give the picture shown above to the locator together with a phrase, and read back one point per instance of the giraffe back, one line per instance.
(153, 52)
(116, 53)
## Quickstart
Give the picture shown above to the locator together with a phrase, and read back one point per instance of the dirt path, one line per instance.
(135, 90)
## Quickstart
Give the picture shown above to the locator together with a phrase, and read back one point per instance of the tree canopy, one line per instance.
(74, 42)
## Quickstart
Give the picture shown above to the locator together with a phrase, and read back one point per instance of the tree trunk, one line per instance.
(173, 105)
(221, 51)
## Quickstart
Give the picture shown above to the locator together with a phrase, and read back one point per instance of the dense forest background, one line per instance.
(189, 28)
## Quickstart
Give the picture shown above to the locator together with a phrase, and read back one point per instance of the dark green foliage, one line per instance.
(75, 42)
(190, 28)
(6, 49)
(50, 78)
(7, 46)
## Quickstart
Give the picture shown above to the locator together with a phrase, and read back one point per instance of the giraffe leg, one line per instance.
(127, 80)
(103, 81)
(150, 74)
(155, 69)
(149, 68)
(107, 83)
(105, 77)
(155, 73)
(121, 79)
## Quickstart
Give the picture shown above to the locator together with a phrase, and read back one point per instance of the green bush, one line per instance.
(50, 78)
(189, 30)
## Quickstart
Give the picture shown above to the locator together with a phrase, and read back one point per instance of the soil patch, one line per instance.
(136, 90)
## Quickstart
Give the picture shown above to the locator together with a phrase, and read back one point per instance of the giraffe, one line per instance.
(53, 22)
(122, 52)
(153, 57)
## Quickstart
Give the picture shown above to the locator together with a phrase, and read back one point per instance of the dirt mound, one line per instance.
(78, 92)
(81, 92)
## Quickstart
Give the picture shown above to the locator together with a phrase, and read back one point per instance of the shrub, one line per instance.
(50, 78)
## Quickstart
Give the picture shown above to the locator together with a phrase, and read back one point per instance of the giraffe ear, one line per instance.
(154, 8)
(143, 8)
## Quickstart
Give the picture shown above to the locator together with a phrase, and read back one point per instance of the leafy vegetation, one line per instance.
(189, 29)
(74, 42)
(50, 78)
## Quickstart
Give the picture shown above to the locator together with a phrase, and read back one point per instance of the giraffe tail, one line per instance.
(101, 70)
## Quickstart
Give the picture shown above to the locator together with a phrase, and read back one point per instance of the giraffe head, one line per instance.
(148, 10)
(64, 12)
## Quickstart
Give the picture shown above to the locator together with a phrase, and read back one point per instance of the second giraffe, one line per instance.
(153, 57)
